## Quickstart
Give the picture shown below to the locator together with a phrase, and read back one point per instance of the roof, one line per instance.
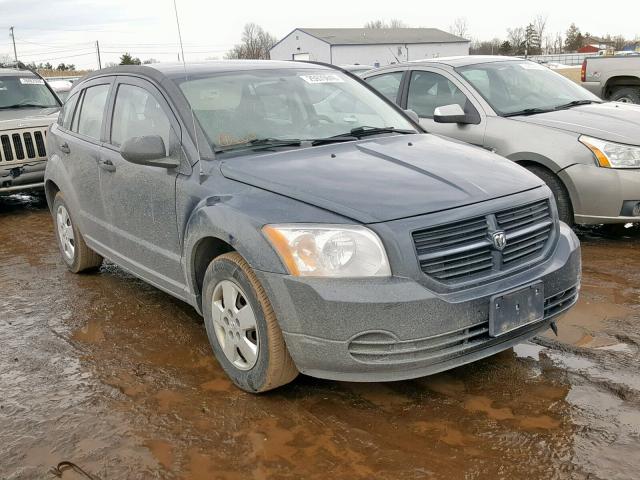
(369, 36)
(464, 60)
(158, 71)
(12, 72)
(176, 70)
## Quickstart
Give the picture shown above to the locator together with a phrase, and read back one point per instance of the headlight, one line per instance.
(612, 155)
(329, 250)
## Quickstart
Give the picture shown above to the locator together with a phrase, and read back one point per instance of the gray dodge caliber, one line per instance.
(311, 222)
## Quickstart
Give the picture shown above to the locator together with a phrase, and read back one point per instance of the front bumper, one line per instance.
(599, 194)
(394, 328)
(16, 178)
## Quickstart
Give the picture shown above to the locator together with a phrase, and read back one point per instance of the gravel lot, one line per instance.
(109, 373)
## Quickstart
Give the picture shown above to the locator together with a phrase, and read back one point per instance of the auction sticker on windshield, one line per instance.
(322, 78)
(31, 81)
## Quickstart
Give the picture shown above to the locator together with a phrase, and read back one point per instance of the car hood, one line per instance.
(616, 122)
(27, 117)
(385, 178)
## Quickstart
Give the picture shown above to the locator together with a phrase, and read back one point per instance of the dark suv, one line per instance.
(311, 222)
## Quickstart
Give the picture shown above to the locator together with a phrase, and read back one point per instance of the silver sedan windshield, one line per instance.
(516, 86)
(239, 107)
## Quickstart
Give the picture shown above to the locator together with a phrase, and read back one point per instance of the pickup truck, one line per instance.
(616, 79)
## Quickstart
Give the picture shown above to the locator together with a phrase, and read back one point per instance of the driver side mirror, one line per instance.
(148, 150)
(450, 114)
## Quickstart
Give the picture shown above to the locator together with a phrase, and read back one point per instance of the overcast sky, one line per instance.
(66, 30)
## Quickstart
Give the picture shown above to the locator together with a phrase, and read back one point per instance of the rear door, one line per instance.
(78, 142)
(140, 200)
(429, 88)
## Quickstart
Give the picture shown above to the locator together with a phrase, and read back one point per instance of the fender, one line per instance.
(214, 217)
(535, 158)
(56, 172)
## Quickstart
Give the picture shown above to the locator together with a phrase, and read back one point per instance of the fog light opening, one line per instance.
(628, 225)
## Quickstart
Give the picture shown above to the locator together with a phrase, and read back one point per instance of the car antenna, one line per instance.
(186, 77)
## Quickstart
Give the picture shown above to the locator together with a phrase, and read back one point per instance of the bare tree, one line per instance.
(460, 27)
(255, 44)
(393, 23)
(516, 38)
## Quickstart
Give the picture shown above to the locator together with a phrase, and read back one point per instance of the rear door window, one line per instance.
(91, 113)
(388, 84)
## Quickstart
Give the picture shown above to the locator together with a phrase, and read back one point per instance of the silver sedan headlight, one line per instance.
(316, 250)
(611, 154)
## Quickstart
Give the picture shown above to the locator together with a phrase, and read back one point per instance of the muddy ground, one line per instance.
(109, 373)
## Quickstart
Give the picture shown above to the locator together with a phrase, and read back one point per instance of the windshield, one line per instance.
(240, 107)
(25, 92)
(514, 86)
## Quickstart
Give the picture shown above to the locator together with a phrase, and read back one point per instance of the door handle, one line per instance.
(65, 148)
(107, 165)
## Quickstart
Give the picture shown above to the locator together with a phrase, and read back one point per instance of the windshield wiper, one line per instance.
(365, 130)
(25, 105)
(575, 103)
(260, 143)
(528, 111)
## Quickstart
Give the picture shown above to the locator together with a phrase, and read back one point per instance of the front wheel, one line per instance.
(242, 328)
(565, 209)
(75, 253)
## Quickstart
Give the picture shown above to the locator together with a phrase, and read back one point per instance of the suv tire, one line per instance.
(249, 346)
(565, 209)
(626, 95)
(77, 256)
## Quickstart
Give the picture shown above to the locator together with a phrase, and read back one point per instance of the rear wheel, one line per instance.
(565, 209)
(75, 253)
(626, 95)
(242, 328)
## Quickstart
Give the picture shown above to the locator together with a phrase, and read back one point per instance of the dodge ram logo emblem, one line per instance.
(499, 240)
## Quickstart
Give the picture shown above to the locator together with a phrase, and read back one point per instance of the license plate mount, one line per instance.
(517, 308)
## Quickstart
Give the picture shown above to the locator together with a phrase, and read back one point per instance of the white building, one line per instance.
(366, 46)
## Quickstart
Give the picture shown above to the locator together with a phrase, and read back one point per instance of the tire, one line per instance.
(80, 258)
(563, 202)
(626, 95)
(270, 365)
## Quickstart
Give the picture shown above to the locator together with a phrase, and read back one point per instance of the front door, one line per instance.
(140, 200)
(429, 89)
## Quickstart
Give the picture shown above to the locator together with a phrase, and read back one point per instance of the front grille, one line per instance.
(23, 145)
(528, 229)
(464, 250)
(385, 348)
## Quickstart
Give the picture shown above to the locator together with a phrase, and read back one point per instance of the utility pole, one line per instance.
(98, 52)
(13, 38)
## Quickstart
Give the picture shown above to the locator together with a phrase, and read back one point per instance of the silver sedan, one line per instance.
(586, 150)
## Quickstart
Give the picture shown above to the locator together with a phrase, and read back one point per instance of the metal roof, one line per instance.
(369, 36)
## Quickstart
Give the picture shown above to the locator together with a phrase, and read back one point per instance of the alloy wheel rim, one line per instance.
(65, 232)
(235, 326)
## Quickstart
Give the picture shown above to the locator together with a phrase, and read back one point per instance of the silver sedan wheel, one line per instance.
(235, 325)
(65, 232)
